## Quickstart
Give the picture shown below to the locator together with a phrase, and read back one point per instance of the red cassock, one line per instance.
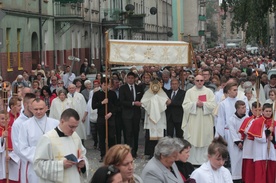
(2, 129)
(265, 169)
(248, 167)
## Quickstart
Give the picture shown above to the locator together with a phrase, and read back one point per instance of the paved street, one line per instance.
(93, 156)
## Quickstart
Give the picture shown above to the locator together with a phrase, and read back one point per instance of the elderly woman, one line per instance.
(120, 156)
(162, 167)
(86, 91)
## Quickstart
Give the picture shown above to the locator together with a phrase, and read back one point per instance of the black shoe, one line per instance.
(101, 160)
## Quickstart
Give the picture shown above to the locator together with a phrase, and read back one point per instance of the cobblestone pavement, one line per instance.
(93, 156)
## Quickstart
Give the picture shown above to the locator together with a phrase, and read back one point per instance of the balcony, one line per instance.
(69, 10)
(136, 21)
(69, 1)
(113, 15)
(201, 33)
(201, 17)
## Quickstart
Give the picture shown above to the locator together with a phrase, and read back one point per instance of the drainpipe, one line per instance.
(90, 61)
(40, 33)
(54, 36)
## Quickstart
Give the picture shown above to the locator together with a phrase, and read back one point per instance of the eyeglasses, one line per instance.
(60, 83)
(199, 80)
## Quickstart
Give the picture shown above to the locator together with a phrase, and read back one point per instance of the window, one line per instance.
(8, 31)
(18, 49)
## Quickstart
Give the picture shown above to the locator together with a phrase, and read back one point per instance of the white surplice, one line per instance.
(58, 106)
(206, 174)
(16, 127)
(79, 104)
(235, 152)
(155, 116)
(14, 163)
(31, 131)
(49, 156)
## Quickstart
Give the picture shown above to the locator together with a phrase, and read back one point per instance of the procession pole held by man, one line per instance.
(5, 102)
(271, 126)
(257, 92)
(191, 54)
(106, 89)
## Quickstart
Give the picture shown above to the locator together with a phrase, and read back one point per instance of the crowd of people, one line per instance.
(218, 110)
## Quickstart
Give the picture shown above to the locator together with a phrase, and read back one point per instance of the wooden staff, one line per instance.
(191, 54)
(106, 89)
(5, 101)
(257, 84)
(271, 126)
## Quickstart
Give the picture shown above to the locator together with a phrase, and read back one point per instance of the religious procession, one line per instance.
(206, 116)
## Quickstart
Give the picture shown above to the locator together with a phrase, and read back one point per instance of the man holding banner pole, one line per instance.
(99, 101)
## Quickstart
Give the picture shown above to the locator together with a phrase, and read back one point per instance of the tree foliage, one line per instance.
(250, 16)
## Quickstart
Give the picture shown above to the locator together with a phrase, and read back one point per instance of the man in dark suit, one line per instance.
(130, 95)
(98, 102)
(174, 112)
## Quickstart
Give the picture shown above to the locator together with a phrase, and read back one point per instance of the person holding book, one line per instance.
(198, 122)
(60, 155)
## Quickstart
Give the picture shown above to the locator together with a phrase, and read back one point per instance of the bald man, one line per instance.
(198, 121)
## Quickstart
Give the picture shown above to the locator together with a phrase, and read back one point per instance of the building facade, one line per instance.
(46, 32)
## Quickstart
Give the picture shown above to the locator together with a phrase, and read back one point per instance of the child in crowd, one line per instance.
(213, 171)
(264, 154)
(272, 96)
(13, 159)
(247, 153)
(235, 144)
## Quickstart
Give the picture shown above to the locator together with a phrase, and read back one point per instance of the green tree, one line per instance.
(212, 41)
(250, 16)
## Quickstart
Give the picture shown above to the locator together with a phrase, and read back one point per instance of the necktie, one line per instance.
(132, 91)
(173, 95)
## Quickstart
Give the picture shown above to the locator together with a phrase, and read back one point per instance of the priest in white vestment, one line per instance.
(59, 104)
(79, 104)
(51, 162)
(198, 121)
(155, 105)
(154, 101)
(31, 131)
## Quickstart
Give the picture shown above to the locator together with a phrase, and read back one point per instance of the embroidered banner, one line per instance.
(129, 52)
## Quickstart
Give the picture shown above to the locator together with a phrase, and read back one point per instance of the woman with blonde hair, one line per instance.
(120, 156)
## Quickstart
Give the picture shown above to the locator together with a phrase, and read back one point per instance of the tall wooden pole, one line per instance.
(271, 126)
(106, 82)
(257, 83)
(5, 101)
(191, 54)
